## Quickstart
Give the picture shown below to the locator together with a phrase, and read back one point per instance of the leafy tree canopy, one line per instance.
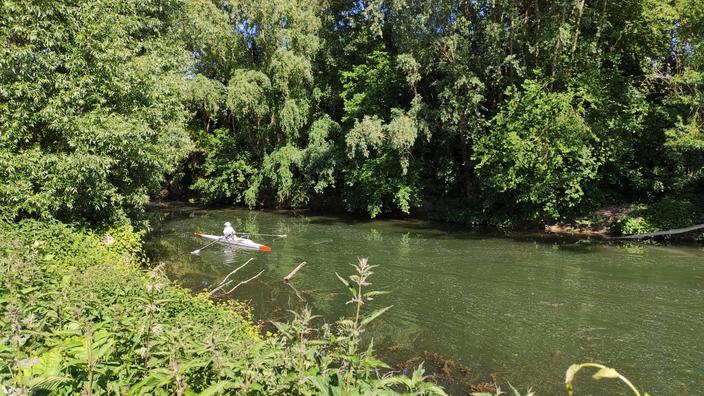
(533, 110)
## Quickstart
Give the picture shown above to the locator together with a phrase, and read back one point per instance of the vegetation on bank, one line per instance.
(79, 314)
(499, 111)
(662, 215)
(504, 111)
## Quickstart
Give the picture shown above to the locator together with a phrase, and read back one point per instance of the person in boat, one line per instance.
(228, 232)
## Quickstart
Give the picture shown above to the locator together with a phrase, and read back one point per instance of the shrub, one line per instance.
(662, 215)
(539, 152)
(79, 315)
(90, 111)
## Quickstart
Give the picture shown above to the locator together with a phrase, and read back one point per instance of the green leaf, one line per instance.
(372, 362)
(28, 290)
(375, 315)
(48, 383)
(571, 371)
(283, 328)
(370, 294)
(49, 364)
(218, 388)
(515, 391)
(343, 280)
(605, 372)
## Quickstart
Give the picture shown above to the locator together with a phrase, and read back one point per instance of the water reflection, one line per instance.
(230, 255)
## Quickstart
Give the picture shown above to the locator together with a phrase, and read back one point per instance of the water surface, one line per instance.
(522, 309)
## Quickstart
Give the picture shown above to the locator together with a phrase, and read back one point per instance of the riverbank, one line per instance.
(85, 312)
(638, 218)
(603, 223)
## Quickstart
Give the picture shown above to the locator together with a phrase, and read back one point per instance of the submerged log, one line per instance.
(663, 233)
(292, 273)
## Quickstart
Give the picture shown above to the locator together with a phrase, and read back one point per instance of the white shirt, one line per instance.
(229, 232)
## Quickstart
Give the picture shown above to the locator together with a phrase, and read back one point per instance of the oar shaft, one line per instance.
(208, 245)
(276, 235)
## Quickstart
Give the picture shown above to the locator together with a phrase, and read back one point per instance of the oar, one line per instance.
(197, 251)
(274, 235)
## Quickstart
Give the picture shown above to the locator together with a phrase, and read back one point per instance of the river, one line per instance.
(520, 308)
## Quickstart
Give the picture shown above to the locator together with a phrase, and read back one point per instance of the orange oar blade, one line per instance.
(264, 248)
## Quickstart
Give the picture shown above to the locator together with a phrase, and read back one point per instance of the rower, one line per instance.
(228, 232)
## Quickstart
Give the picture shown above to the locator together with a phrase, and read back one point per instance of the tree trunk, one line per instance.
(467, 169)
(558, 44)
(663, 233)
(580, 11)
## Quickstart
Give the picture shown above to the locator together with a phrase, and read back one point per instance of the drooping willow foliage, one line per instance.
(522, 109)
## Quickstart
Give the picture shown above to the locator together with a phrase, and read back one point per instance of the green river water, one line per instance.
(519, 308)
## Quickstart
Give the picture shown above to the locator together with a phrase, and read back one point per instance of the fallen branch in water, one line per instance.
(662, 233)
(224, 281)
(292, 273)
(296, 291)
(245, 281)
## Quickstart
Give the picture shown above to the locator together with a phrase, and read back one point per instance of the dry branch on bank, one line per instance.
(245, 281)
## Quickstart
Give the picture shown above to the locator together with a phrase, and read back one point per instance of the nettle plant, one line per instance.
(79, 318)
(343, 366)
(353, 328)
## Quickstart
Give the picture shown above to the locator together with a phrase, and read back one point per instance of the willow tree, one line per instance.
(258, 149)
(389, 105)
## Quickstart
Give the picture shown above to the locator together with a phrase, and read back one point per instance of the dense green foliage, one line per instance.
(511, 110)
(79, 315)
(541, 149)
(662, 215)
(526, 110)
(90, 111)
(523, 110)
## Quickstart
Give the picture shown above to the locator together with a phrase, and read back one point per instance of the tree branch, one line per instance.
(245, 281)
(292, 273)
(224, 281)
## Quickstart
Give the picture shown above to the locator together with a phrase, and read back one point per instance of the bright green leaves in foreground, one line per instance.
(78, 314)
(540, 151)
(602, 373)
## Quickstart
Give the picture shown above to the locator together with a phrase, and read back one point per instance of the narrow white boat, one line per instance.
(235, 242)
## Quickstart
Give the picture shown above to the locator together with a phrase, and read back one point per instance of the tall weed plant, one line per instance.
(79, 314)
